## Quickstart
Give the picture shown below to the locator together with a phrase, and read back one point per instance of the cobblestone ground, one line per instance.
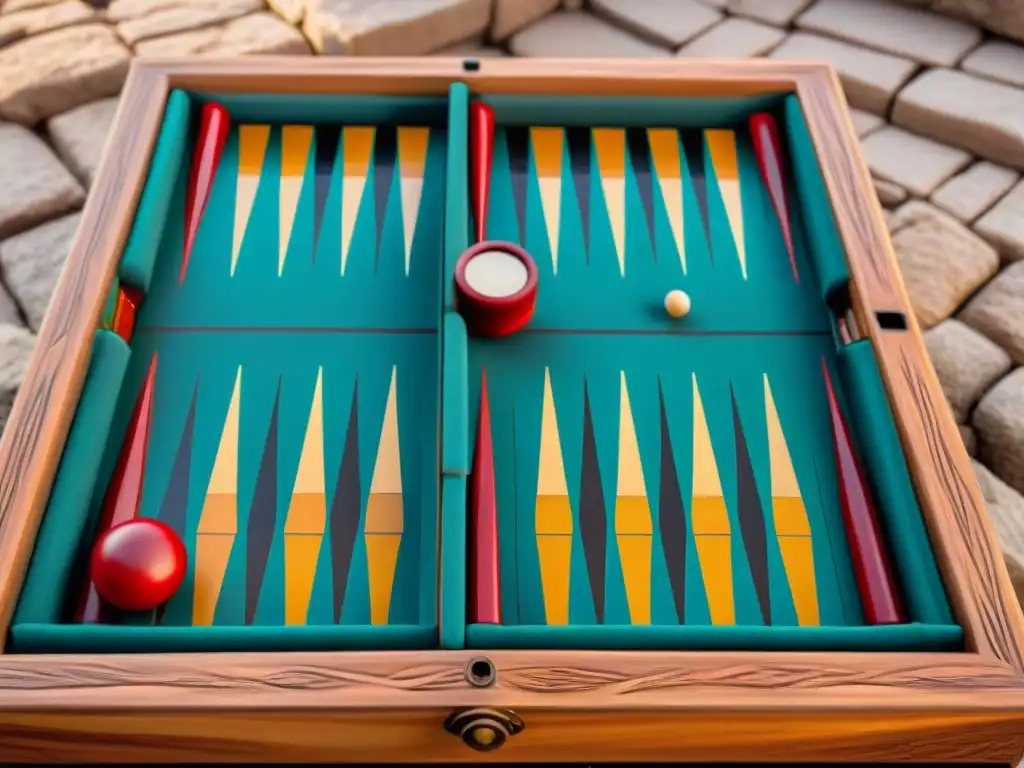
(939, 106)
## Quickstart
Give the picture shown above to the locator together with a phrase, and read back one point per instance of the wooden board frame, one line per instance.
(577, 706)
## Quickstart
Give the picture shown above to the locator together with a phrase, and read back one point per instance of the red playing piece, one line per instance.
(481, 147)
(125, 491)
(870, 562)
(138, 565)
(126, 309)
(496, 288)
(213, 132)
(484, 580)
(765, 134)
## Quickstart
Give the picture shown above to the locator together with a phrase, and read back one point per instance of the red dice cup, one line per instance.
(492, 316)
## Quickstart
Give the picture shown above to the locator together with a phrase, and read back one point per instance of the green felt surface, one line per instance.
(595, 330)
(598, 325)
(893, 638)
(278, 331)
(140, 253)
(337, 109)
(826, 246)
(457, 215)
(627, 111)
(889, 475)
(454, 438)
(54, 557)
(107, 638)
(453, 567)
(731, 387)
(588, 292)
(455, 463)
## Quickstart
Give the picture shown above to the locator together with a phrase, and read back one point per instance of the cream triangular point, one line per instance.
(295, 143)
(783, 475)
(387, 469)
(551, 472)
(252, 148)
(307, 511)
(220, 508)
(706, 480)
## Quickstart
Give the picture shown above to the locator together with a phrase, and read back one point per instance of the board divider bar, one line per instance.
(454, 358)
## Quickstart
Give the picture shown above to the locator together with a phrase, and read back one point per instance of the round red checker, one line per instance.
(138, 565)
(496, 284)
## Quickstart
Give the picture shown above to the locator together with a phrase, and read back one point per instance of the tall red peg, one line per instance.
(870, 562)
(124, 494)
(481, 148)
(484, 578)
(765, 134)
(214, 124)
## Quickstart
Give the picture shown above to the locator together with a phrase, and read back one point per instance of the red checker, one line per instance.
(496, 283)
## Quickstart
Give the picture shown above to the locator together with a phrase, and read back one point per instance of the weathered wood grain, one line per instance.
(377, 707)
(961, 533)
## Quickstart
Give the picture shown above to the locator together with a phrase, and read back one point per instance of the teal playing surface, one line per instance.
(659, 478)
(687, 499)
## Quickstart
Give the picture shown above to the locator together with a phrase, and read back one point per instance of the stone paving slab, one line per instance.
(1006, 509)
(974, 191)
(10, 314)
(916, 212)
(139, 20)
(475, 49)
(668, 23)
(12, 6)
(258, 33)
(865, 123)
(372, 28)
(291, 11)
(779, 13)
(1003, 226)
(16, 345)
(999, 60)
(32, 262)
(734, 38)
(890, 194)
(870, 79)
(917, 164)
(967, 363)
(999, 422)
(510, 16)
(966, 111)
(998, 311)
(886, 26)
(1004, 17)
(942, 263)
(80, 134)
(56, 71)
(14, 26)
(571, 34)
(36, 185)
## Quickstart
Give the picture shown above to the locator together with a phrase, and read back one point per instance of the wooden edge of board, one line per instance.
(319, 706)
(549, 736)
(433, 76)
(961, 531)
(673, 681)
(37, 427)
(76, 689)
